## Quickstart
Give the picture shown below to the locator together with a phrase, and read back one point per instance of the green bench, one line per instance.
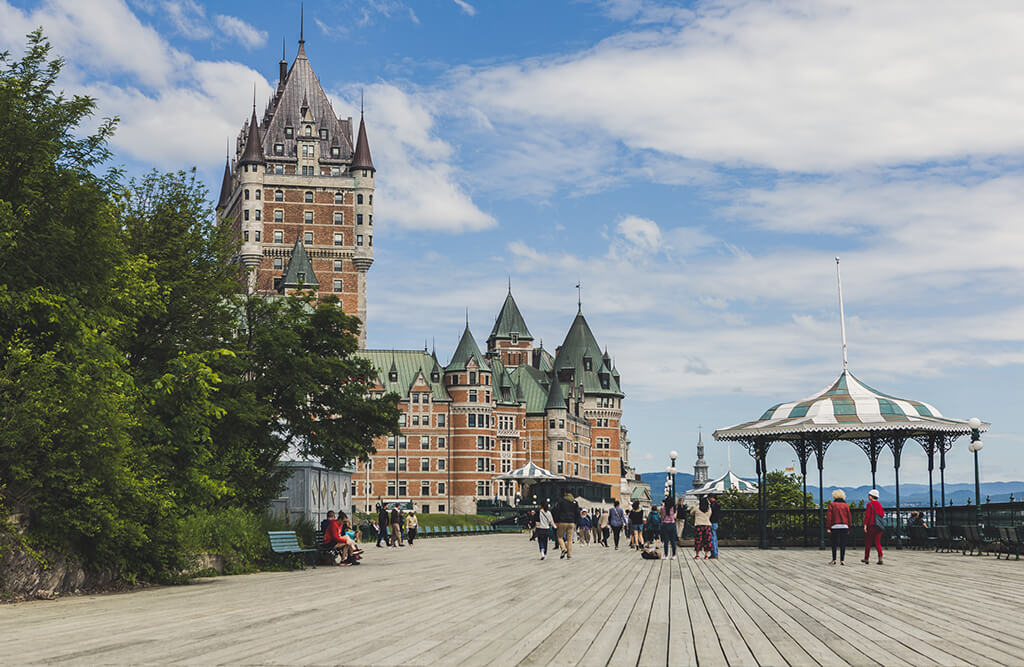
(286, 543)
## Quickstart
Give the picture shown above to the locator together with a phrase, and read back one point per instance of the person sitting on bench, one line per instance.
(336, 540)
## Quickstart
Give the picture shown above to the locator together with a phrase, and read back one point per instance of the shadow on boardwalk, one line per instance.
(489, 600)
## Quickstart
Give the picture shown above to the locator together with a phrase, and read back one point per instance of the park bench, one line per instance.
(974, 541)
(286, 543)
(1009, 542)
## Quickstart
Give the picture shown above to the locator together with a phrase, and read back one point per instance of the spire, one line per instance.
(556, 401)
(842, 314)
(466, 350)
(253, 153)
(579, 296)
(225, 185)
(509, 321)
(299, 272)
(282, 68)
(302, 40)
(361, 158)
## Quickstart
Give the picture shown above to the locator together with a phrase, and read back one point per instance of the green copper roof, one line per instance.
(467, 349)
(299, 272)
(408, 364)
(581, 353)
(531, 385)
(556, 397)
(506, 392)
(510, 321)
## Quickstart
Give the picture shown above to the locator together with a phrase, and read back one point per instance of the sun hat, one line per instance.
(873, 493)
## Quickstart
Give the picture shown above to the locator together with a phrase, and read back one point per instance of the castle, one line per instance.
(299, 193)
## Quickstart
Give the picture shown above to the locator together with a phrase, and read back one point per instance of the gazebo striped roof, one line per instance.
(845, 408)
(724, 483)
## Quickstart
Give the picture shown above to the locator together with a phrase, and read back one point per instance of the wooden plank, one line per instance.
(680, 637)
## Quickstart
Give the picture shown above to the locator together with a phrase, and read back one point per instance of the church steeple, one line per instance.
(700, 468)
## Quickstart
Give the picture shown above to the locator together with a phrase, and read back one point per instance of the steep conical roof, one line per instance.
(253, 153)
(509, 321)
(467, 349)
(225, 185)
(556, 400)
(361, 159)
(299, 272)
(579, 344)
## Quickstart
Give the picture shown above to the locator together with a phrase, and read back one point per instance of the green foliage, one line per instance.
(238, 535)
(143, 404)
(784, 492)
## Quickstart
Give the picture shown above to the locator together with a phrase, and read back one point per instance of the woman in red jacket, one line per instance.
(837, 524)
(873, 528)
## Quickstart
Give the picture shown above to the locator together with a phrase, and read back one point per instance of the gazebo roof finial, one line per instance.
(842, 314)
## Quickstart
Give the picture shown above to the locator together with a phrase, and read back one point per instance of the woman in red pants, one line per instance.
(873, 528)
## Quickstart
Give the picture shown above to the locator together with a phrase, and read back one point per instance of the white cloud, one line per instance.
(249, 37)
(420, 187)
(188, 18)
(466, 7)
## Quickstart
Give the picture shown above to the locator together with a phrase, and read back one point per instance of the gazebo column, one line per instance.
(896, 445)
(872, 446)
(803, 451)
(820, 446)
(928, 443)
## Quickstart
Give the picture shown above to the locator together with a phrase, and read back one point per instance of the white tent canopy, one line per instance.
(726, 482)
(529, 473)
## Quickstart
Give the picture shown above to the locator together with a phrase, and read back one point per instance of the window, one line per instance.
(602, 466)
(561, 423)
(323, 134)
(506, 465)
(559, 446)
(278, 263)
(424, 488)
(257, 232)
(289, 132)
(278, 149)
(424, 465)
(371, 218)
(483, 488)
(471, 420)
(401, 417)
(440, 420)
(472, 377)
(337, 285)
(245, 214)
(403, 488)
(308, 197)
(481, 442)
(309, 130)
(487, 397)
(551, 423)
(307, 150)
(440, 443)
(279, 169)
(391, 489)
(278, 215)
(278, 195)
(339, 239)
(278, 236)
(560, 467)
(402, 442)
(337, 265)
(307, 237)
(301, 276)
(415, 420)
(246, 194)
(335, 152)
(440, 464)
(359, 239)
(440, 492)
(482, 465)
(369, 489)
(391, 442)
(359, 199)
(391, 464)
(339, 197)
(308, 170)
(425, 439)
(403, 464)
(339, 218)
(364, 173)
(307, 217)
(425, 509)
(371, 200)
(258, 216)
(359, 218)
(245, 235)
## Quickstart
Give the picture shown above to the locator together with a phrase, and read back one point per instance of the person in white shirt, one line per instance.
(545, 524)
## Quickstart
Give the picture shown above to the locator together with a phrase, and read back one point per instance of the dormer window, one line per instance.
(278, 149)
(323, 134)
(289, 132)
(301, 276)
(587, 364)
(393, 377)
(435, 377)
(515, 338)
(309, 130)
(335, 151)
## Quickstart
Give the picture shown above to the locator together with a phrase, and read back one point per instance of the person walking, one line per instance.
(396, 527)
(873, 513)
(636, 526)
(545, 523)
(616, 521)
(716, 514)
(411, 525)
(668, 526)
(602, 527)
(702, 528)
(584, 527)
(382, 525)
(837, 524)
(567, 517)
(681, 513)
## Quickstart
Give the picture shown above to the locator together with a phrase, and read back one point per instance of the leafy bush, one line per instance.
(237, 535)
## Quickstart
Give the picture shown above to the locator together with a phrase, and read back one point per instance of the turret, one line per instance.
(251, 184)
(362, 172)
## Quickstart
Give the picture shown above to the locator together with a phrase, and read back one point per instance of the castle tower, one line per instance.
(510, 339)
(700, 468)
(299, 175)
(467, 378)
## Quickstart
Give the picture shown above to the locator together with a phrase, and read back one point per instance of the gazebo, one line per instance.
(849, 410)
(727, 482)
(531, 472)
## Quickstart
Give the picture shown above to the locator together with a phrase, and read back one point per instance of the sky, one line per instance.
(696, 167)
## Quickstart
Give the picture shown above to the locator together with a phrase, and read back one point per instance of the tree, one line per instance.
(785, 491)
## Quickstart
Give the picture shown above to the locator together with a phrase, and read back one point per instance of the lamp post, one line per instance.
(975, 446)
(671, 470)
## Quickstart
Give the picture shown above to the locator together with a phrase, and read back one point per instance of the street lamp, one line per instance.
(671, 470)
(976, 444)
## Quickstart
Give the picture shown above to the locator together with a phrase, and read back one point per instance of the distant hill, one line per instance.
(911, 495)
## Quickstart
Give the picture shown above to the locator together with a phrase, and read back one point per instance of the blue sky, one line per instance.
(697, 167)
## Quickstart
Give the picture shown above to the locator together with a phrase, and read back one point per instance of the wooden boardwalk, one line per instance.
(490, 600)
